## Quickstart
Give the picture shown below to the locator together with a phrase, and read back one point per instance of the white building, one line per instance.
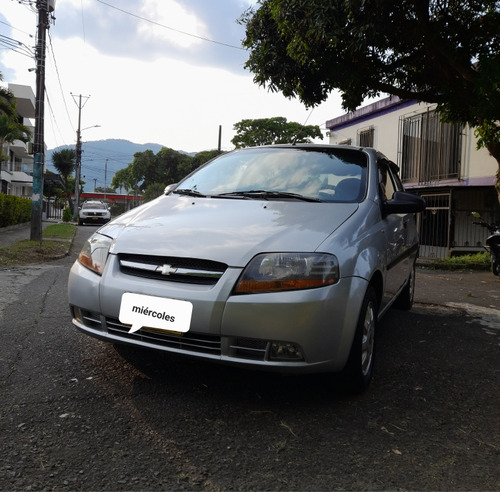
(17, 171)
(437, 161)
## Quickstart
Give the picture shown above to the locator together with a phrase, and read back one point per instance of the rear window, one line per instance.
(94, 205)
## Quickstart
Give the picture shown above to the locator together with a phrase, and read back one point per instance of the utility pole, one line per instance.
(45, 8)
(105, 173)
(78, 155)
(78, 159)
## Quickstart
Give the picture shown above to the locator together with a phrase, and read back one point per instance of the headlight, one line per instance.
(95, 253)
(288, 271)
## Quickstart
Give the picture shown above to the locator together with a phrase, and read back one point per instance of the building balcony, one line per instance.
(6, 175)
(21, 177)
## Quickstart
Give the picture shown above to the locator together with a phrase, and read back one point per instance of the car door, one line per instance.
(395, 229)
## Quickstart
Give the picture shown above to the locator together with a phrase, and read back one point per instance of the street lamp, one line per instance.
(78, 162)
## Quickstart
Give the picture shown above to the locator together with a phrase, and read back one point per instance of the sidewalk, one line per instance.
(10, 235)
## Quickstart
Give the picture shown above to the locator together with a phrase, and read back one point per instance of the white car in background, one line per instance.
(94, 212)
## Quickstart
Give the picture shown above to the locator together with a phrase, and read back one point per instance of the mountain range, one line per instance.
(101, 159)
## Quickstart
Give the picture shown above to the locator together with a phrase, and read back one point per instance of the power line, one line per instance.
(172, 28)
(59, 79)
(16, 46)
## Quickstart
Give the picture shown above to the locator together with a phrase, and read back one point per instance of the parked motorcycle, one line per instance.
(492, 242)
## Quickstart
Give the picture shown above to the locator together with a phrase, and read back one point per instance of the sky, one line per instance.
(169, 72)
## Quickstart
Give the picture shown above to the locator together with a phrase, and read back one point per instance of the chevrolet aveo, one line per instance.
(281, 258)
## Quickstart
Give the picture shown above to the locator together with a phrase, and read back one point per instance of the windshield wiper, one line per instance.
(188, 192)
(265, 194)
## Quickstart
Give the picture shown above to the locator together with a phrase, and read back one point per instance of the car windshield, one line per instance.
(94, 205)
(279, 173)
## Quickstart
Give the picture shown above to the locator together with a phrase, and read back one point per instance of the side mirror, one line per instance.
(403, 203)
(169, 188)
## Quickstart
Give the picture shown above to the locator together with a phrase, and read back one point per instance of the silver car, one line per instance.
(281, 257)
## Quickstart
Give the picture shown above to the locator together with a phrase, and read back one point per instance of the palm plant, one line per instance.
(64, 162)
(11, 128)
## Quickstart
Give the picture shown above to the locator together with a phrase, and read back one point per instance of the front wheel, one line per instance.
(358, 371)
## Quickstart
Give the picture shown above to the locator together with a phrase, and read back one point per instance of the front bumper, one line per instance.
(240, 330)
(94, 219)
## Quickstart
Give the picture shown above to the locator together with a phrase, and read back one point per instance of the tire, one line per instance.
(358, 371)
(80, 222)
(495, 266)
(405, 297)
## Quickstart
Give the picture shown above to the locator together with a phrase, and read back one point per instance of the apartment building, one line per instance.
(17, 169)
(438, 161)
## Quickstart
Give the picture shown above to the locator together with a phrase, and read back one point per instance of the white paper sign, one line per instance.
(140, 311)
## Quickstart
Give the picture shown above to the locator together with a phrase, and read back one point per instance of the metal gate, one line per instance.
(435, 226)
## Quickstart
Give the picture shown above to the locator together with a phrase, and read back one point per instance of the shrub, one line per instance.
(478, 261)
(67, 215)
(14, 210)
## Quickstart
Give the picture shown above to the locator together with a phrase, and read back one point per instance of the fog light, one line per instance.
(77, 314)
(285, 351)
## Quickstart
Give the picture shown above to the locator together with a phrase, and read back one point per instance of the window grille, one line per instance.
(429, 150)
(366, 137)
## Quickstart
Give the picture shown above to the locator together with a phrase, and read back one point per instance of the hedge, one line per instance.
(14, 210)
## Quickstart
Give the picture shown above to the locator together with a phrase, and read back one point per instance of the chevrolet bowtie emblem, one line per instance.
(166, 269)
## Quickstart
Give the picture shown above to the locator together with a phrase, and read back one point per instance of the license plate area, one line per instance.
(155, 313)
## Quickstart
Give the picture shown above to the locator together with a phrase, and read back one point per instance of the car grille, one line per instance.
(249, 348)
(191, 342)
(187, 270)
(243, 348)
(94, 214)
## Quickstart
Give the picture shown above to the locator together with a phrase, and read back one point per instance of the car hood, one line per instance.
(225, 230)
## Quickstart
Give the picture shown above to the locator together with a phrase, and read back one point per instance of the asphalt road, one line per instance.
(77, 414)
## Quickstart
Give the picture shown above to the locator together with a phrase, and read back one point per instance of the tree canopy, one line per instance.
(433, 51)
(64, 162)
(149, 173)
(269, 131)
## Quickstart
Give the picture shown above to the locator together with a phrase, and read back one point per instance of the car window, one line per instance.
(389, 182)
(94, 205)
(326, 175)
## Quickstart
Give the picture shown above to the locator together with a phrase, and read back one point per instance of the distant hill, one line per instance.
(118, 153)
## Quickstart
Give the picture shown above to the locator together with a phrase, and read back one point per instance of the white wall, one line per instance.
(475, 163)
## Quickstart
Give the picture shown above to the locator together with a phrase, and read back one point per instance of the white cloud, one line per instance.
(166, 14)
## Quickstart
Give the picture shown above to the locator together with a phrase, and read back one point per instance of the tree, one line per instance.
(108, 189)
(11, 128)
(123, 179)
(64, 162)
(7, 100)
(268, 131)
(204, 156)
(153, 191)
(433, 51)
(166, 167)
